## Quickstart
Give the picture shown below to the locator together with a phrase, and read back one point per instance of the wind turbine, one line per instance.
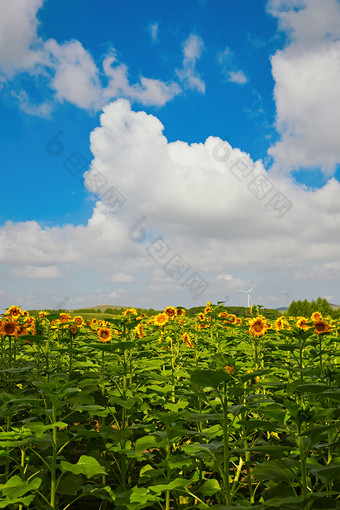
(248, 294)
(287, 294)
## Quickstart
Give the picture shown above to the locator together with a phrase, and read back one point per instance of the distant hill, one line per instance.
(102, 308)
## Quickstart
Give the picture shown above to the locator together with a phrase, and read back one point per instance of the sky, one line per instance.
(169, 153)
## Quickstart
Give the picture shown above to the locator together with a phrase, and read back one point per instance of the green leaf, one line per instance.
(283, 469)
(210, 378)
(70, 484)
(86, 465)
(16, 487)
(210, 487)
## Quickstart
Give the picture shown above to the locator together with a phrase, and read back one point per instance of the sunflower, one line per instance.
(302, 323)
(229, 369)
(23, 330)
(316, 316)
(223, 314)
(232, 318)
(180, 311)
(139, 330)
(14, 311)
(281, 323)
(201, 317)
(73, 329)
(130, 311)
(78, 320)
(65, 317)
(321, 326)
(187, 340)
(161, 319)
(170, 312)
(258, 326)
(207, 308)
(9, 327)
(42, 315)
(252, 309)
(104, 334)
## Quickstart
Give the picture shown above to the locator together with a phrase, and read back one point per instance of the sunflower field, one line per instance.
(169, 411)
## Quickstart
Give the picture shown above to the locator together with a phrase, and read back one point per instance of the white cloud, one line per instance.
(307, 77)
(18, 35)
(40, 272)
(121, 278)
(67, 68)
(192, 51)
(191, 203)
(153, 30)
(226, 60)
(238, 77)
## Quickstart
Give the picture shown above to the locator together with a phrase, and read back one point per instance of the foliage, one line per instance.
(169, 411)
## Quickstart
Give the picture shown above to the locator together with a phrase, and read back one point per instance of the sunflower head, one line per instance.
(9, 327)
(258, 326)
(73, 329)
(65, 317)
(78, 320)
(161, 319)
(321, 326)
(130, 312)
(229, 369)
(14, 311)
(170, 311)
(139, 330)
(180, 311)
(302, 323)
(104, 334)
(187, 340)
(316, 316)
(201, 317)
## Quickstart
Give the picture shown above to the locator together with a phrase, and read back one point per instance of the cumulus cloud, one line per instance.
(188, 74)
(201, 209)
(226, 60)
(67, 68)
(307, 76)
(19, 48)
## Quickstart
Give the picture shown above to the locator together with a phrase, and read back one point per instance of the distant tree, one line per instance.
(306, 308)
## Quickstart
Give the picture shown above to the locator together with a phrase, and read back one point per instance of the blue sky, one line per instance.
(143, 94)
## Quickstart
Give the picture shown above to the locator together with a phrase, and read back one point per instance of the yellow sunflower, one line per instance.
(9, 327)
(73, 329)
(258, 326)
(139, 330)
(229, 369)
(281, 323)
(130, 311)
(321, 326)
(161, 319)
(104, 334)
(78, 320)
(316, 316)
(207, 308)
(187, 340)
(170, 311)
(65, 317)
(302, 323)
(14, 311)
(180, 311)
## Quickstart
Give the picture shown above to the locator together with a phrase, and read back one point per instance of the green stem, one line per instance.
(226, 453)
(303, 466)
(54, 459)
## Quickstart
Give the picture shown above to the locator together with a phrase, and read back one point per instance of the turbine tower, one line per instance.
(287, 294)
(248, 295)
